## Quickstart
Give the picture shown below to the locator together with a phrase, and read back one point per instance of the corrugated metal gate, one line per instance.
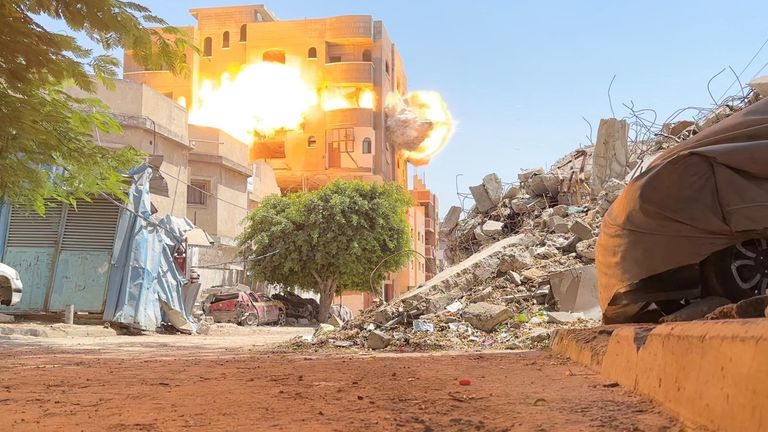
(64, 257)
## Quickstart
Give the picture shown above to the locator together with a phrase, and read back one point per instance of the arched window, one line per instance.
(367, 145)
(225, 40)
(259, 18)
(367, 55)
(312, 53)
(243, 33)
(275, 56)
(207, 47)
(312, 142)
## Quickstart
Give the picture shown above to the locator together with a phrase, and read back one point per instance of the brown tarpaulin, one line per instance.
(703, 195)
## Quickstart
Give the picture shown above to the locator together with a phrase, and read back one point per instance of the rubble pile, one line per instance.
(521, 258)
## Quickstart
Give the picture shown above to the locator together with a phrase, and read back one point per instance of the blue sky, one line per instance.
(519, 75)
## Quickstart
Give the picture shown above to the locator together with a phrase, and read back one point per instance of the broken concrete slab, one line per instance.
(581, 230)
(486, 316)
(526, 175)
(488, 230)
(575, 290)
(753, 307)
(378, 340)
(560, 210)
(483, 200)
(559, 317)
(451, 218)
(586, 248)
(494, 187)
(544, 185)
(611, 154)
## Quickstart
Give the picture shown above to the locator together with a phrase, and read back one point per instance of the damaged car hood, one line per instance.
(706, 194)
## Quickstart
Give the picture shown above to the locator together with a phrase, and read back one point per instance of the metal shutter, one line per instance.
(28, 229)
(91, 226)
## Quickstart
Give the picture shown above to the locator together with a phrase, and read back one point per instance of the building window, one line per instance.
(243, 33)
(259, 18)
(366, 145)
(312, 53)
(225, 40)
(367, 55)
(344, 137)
(312, 142)
(334, 59)
(274, 56)
(197, 192)
(386, 67)
(207, 47)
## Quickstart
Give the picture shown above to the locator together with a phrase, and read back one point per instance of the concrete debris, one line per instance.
(760, 85)
(378, 340)
(486, 316)
(487, 194)
(581, 230)
(586, 249)
(419, 325)
(610, 157)
(750, 308)
(696, 310)
(451, 219)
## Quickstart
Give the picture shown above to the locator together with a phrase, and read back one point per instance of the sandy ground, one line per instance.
(233, 383)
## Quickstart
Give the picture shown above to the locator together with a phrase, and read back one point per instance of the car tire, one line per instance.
(252, 319)
(737, 272)
(281, 319)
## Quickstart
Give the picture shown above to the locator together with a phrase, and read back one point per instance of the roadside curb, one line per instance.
(709, 373)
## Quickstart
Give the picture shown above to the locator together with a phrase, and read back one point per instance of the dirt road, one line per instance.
(170, 388)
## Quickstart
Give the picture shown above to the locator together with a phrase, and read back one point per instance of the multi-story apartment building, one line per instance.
(352, 65)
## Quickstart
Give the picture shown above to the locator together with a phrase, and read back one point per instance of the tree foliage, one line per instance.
(47, 149)
(331, 239)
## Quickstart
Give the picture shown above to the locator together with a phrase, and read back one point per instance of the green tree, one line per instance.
(329, 240)
(47, 149)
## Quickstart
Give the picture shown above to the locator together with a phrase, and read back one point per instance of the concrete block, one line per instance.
(611, 154)
(526, 175)
(483, 200)
(451, 218)
(581, 230)
(493, 186)
(378, 340)
(486, 316)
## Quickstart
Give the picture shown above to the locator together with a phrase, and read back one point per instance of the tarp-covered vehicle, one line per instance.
(692, 225)
(244, 308)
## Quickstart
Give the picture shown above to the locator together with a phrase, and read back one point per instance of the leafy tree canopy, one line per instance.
(331, 239)
(47, 150)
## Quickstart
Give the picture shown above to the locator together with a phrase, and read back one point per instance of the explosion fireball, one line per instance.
(419, 124)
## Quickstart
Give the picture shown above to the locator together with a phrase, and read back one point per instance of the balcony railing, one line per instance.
(349, 28)
(349, 73)
(429, 251)
(429, 224)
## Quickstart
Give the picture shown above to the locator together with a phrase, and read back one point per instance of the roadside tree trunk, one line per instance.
(327, 290)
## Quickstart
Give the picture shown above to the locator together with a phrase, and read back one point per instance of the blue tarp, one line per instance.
(145, 286)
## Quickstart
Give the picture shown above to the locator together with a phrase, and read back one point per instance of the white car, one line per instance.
(10, 286)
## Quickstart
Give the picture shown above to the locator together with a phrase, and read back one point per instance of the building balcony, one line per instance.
(350, 28)
(429, 224)
(349, 73)
(429, 251)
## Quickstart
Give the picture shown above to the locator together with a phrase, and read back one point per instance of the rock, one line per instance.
(553, 221)
(516, 279)
(483, 200)
(512, 193)
(378, 340)
(291, 321)
(494, 187)
(451, 218)
(324, 329)
(586, 248)
(486, 316)
(560, 210)
(581, 230)
(482, 296)
(544, 184)
(516, 259)
(439, 302)
(696, 310)
(303, 321)
(532, 274)
(570, 245)
(384, 314)
(539, 336)
(561, 317)
(545, 252)
(609, 160)
(749, 308)
(525, 175)
(522, 206)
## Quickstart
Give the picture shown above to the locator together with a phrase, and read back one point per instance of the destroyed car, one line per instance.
(693, 224)
(10, 285)
(244, 308)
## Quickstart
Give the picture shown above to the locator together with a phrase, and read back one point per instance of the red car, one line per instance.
(245, 308)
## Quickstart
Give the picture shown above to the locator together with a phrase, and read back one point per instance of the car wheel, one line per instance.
(737, 272)
(252, 319)
(281, 319)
